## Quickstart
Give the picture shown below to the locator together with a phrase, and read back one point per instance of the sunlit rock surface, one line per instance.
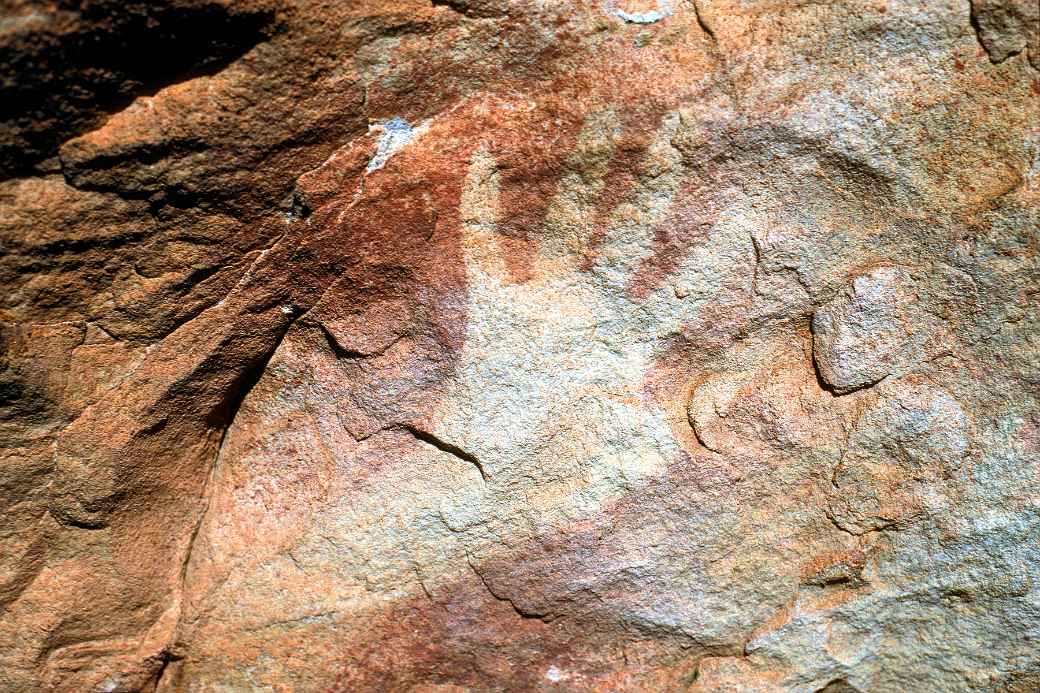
(642, 345)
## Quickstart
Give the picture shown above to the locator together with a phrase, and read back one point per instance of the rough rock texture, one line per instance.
(520, 345)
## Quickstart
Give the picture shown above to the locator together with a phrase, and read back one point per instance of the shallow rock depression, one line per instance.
(520, 345)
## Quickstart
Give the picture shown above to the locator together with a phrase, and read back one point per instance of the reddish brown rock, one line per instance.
(510, 345)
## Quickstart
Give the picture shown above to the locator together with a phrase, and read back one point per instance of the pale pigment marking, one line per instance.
(664, 9)
(554, 674)
(396, 134)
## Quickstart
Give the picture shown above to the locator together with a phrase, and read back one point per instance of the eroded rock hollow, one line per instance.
(509, 345)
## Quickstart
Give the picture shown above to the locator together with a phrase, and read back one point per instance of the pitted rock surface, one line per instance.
(508, 345)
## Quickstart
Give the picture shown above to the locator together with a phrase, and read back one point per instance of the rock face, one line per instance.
(520, 345)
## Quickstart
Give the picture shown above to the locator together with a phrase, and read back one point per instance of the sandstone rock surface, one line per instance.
(642, 345)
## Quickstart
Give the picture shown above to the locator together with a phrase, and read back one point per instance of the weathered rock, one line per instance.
(511, 345)
(1008, 27)
(869, 332)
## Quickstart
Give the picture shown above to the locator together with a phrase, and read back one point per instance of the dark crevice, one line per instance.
(92, 58)
(888, 526)
(342, 352)
(338, 349)
(161, 199)
(452, 5)
(64, 246)
(295, 206)
(850, 580)
(166, 659)
(973, 17)
(444, 446)
(225, 415)
(473, 9)
(838, 686)
(225, 418)
(197, 276)
(69, 520)
(840, 392)
(702, 24)
(143, 156)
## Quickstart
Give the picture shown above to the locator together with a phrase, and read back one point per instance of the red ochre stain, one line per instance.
(687, 224)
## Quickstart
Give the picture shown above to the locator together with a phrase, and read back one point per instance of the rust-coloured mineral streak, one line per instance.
(477, 345)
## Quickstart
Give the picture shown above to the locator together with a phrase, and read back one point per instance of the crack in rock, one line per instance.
(444, 446)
